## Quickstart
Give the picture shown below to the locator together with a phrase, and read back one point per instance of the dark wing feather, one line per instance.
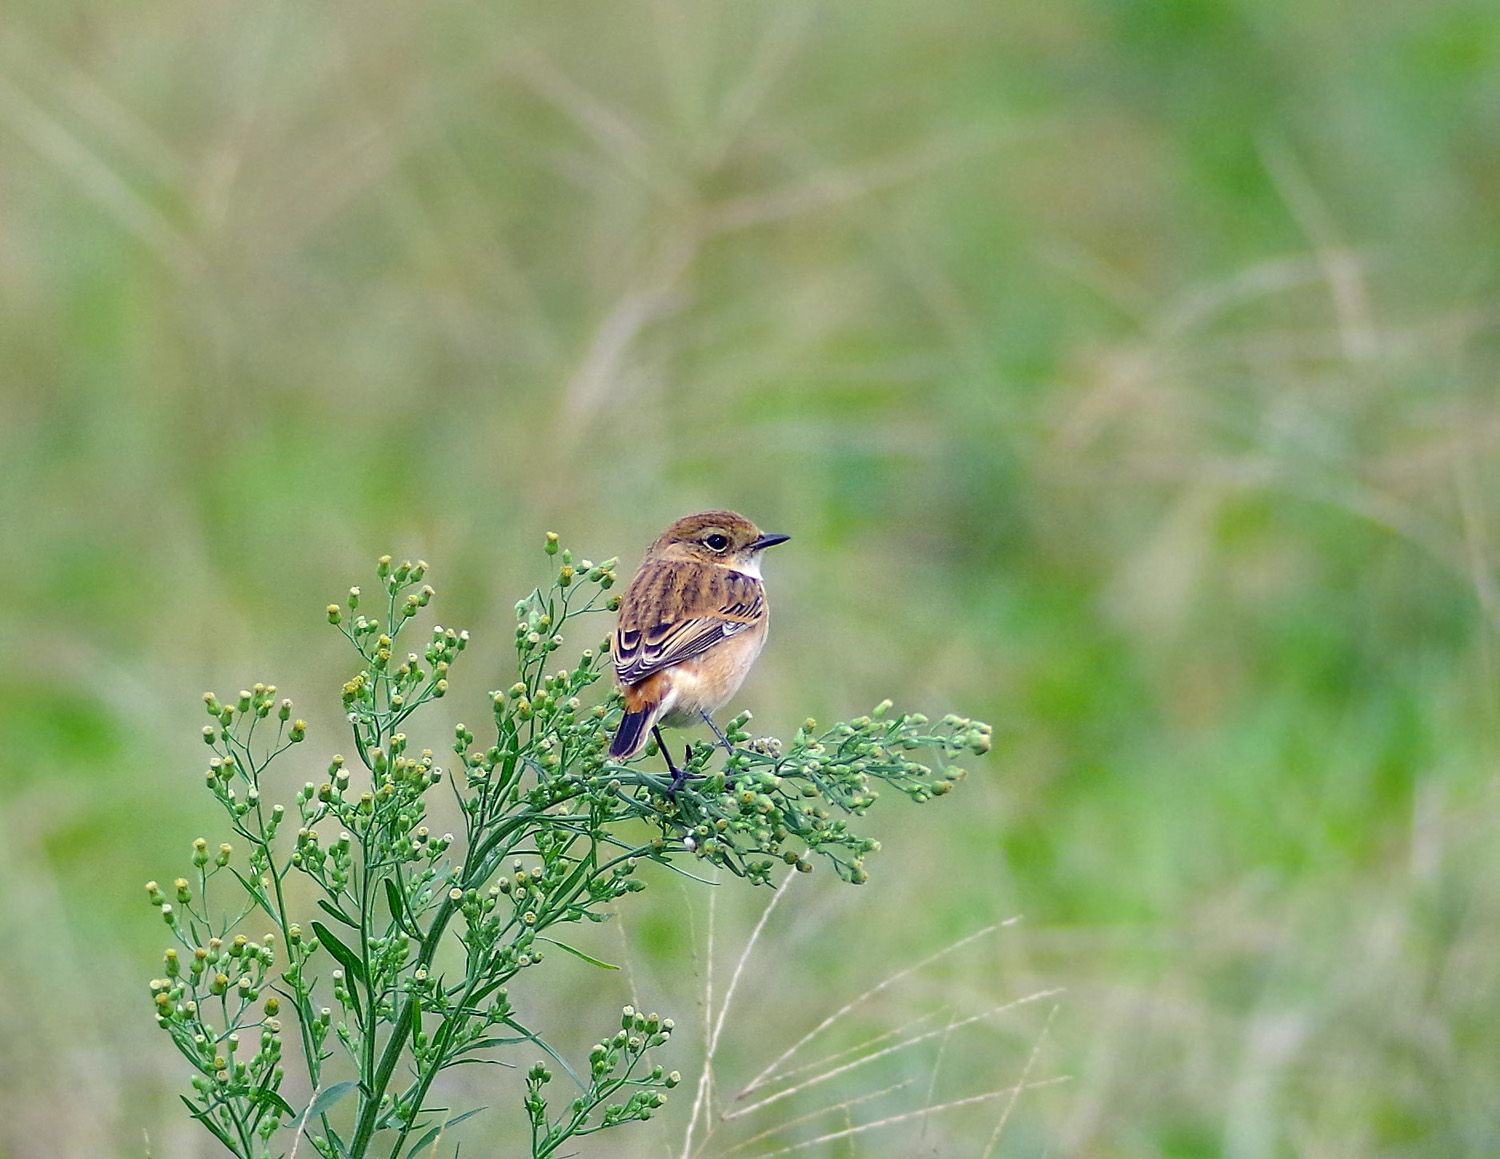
(711, 604)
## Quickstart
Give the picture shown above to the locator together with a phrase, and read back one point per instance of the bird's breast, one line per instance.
(708, 682)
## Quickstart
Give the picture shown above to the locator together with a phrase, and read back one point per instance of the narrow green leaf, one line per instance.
(326, 1098)
(577, 953)
(432, 1135)
(333, 911)
(347, 958)
(202, 1115)
(538, 1041)
(267, 1096)
(339, 1145)
(486, 1043)
(398, 909)
(252, 887)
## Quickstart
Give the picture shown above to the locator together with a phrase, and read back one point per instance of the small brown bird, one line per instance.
(691, 623)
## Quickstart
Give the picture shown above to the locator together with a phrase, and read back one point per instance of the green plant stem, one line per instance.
(390, 1058)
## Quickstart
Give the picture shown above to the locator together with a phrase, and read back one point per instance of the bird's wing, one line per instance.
(674, 612)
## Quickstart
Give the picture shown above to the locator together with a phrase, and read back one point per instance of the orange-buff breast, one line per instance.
(704, 684)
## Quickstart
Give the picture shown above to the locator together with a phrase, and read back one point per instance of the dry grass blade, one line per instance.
(811, 1115)
(770, 1071)
(716, 1025)
(907, 1116)
(838, 1070)
(1010, 1104)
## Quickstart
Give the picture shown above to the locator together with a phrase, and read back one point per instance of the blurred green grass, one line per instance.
(1125, 373)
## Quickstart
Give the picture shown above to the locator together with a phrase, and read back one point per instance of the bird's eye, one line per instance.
(716, 541)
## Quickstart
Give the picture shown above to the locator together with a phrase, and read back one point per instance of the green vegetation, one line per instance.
(428, 936)
(1125, 373)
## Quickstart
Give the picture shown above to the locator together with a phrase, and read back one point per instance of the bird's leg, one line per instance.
(718, 732)
(679, 778)
(666, 753)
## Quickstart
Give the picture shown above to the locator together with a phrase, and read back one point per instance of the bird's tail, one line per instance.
(644, 705)
(630, 737)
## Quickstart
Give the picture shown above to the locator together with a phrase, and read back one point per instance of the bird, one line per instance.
(691, 623)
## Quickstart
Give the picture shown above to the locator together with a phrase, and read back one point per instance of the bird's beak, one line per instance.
(766, 541)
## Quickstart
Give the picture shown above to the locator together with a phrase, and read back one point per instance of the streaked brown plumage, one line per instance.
(691, 624)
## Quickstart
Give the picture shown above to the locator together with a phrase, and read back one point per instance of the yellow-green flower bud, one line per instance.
(552, 543)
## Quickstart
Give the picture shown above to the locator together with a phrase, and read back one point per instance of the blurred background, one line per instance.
(1124, 371)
